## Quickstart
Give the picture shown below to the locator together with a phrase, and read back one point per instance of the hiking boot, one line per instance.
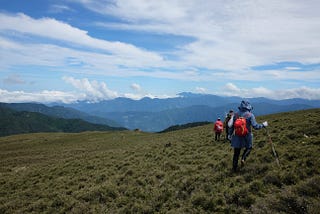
(242, 163)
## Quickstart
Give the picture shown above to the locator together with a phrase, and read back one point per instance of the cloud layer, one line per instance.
(95, 91)
(224, 42)
(231, 89)
(232, 34)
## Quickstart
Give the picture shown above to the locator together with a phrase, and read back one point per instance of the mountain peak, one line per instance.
(190, 94)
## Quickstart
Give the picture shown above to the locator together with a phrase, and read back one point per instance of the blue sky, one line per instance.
(68, 50)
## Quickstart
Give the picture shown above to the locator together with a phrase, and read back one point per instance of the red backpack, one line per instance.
(218, 126)
(240, 127)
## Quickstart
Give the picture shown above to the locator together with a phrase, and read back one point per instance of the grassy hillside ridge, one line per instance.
(59, 112)
(16, 122)
(182, 171)
(185, 126)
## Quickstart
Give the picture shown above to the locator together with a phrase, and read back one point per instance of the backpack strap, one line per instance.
(247, 115)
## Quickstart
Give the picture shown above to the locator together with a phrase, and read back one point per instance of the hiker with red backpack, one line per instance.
(218, 129)
(240, 132)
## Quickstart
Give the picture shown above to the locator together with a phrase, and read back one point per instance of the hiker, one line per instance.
(225, 123)
(218, 129)
(240, 132)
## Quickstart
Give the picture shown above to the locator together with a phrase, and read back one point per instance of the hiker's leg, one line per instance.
(248, 147)
(216, 136)
(236, 155)
(246, 153)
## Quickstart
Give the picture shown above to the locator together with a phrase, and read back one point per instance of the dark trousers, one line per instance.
(236, 155)
(227, 132)
(217, 136)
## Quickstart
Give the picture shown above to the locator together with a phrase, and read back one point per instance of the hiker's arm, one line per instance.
(254, 123)
(230, 122)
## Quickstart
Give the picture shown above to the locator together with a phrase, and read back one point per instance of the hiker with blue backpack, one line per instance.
(240, 132)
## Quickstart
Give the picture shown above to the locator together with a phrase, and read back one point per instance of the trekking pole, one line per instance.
(272, 147)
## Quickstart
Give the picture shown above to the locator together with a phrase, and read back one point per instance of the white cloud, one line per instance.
(303, 92)
(57, 8)
(200, 90)
(231, 89)
(93, 90)
(67, 59)
(135, 87)
(292, 68)
(233, 34)
(85, 89)
(54, 29)
(227, 38)
(42, 96)
(140, 96)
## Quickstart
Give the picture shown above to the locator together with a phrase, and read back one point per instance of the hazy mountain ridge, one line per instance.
(158, 121)
(158, 114)
(183, 100)
(155, 115)
(147, 104)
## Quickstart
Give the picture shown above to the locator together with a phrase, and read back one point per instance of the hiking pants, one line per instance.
(227, 132)
(217, 136)
(236, 155)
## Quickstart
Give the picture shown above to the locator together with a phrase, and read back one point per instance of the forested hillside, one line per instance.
(59, 112)
(14, 122)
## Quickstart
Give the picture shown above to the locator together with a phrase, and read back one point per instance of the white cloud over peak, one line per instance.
(231, 89)
(200, 90)
(96, 91)
(93, 90)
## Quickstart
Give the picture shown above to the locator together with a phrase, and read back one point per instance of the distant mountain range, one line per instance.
(158, 114)
(17, 122)
(183, 100)
(155, 115)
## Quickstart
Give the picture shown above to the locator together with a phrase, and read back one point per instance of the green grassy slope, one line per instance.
(176, 172)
